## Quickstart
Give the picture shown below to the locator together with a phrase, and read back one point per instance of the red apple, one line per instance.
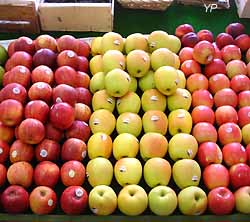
(83, 95)
(189, 67)
(40, 91)
(20, 173)
(221, 201)
(244, 98)
(44, 57)
(20, 58)
(196, 81)
(224, 39)
(14, 91)
(67, 58)
(82, 48)
(3, 174)
(66, 42)
(25, 44)
(79, 130)
(189, 40)
(230, 52)
(243, 42)
(4, 151)
(203, 52)
(11, 112)
(15, 200)
(72, 173)
(83, 64)
(73, 149)
(46, 173)
(183, 29)
(205, 34)
(202, 97)
(6, 133)
(217, 82)
(229, 133)
(65, 75)
(214, 67)
(244, 116)
(235, 29)
(203, 114)
(53, 133)
(42, 200)
(45, 41)
(236, 67)
(20, 151)
(225, 114)
(239, 175)
(224, 97)
(82, 112)
(62, 115)
(82, 79)
(186, 53)
(74, 200)
(217, 54)
(204, 132)
(208, 153)
(64, 93)
(42, 73)
(11, 49)
(240, 83)
(47, 150)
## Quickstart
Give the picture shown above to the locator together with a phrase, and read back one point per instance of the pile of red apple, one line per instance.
(161, 126)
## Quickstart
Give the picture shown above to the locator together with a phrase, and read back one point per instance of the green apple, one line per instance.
(136, 41)
(112, 40)
(242, 200)
(131, 102)
(129, 123)
(157, 171)
(182, 79)
(166, 80)
(3, 55)
(182, 146)
(2, 71)
(102, 120)
(152, 99)
(117, 82)
(162, 57)
(179, 121)
(99, 145)
(125, 145)
(192, 201)
(147, 81)
(132, 200)
(246, 134)
(174, 43)
(99, 171)
(128, 170)
(97, 82)
(102, 100)
(133, 84)
(138, 63)
(102, 200)
(155, 121)
(181, 99)
(113, 59)
(157, 39)
(177, 61)
(96, 46)
(149, 141)
(95, 64)
(186, 172)
(162, 200)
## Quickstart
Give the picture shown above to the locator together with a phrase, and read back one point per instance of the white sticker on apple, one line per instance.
(152, 44)
(70, 54)
(43, 153)
(72, 173)
(16, 90)
(154, 118)
(40, 85)
(195, 178)
(229, 130)
(145, 59)
(1, 150)
(22, 70)
(154, 98)
(79, 192)
(103, 137)
(14, 154)
(84, 154)
(110, 100)
(126, 121)
(122, 169)
(117, 42)
(29, 41)
(181, 115)
(189, 152)
(94, 210)
(50, 202)
(96, 122)
(58, 100)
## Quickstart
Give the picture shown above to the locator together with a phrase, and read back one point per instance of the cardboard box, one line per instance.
(19, 16)
(243, 8)
(97, 17)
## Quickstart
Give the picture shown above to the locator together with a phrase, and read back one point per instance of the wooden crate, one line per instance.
(221, 4)
(19, 16)
(96, 17)
(243, 8)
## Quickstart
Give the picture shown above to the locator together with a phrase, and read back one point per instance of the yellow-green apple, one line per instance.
(203, 52)
(138, 63)
(181, 99)
(162, 57)
(196, 81)
(244, 98)
(97, 82)
(236, 67)
(157, 171)
(15, 199)
(244, 116)
(245, 131)
(225, 96)
(149, 141)
(113, 59)
(4, 151)
(79, 130)
(155, 121)
(166, 80)
(129, 123)
(202, 97)
(192, 201)
(96, 45)
(235, 29)
(20, 173)
(130, 102)
(102, 200)
(223, 39)
(95, 64)
(174, 43)
(183, 29)
(102, 120)
(63, 75)
(47, 150)
(82, 112)
(117, 82)
(225, 114)
(42, 200)
(72, 173)
(247, 57)
(3, 175)
(40, 90)
(239, 175)
(186, 53)
(152, 99)
(135, 41)
(102, 100)
(205, 34)
(234, 153)
(240, 83)
(14, 91)
(99, 171)
(204, 132)
(208, 153)
(162, 200)
(112, 40)
(182, 79)
(203, 113)
(45, 170)
(189, 39)
(157, 39)
(228, 133)
(99, 145)
(132, 200)
(177, 62)
(221, 201)
(182, 146)
(242, 200)
(125, 145)
(179, 121)
(133, 84)
(186, 172)
(128, 170)
(215, 175)
(216, 66)
(230, 52)
(243, 42)
(217, 82)
(190, 66)
(6, 133)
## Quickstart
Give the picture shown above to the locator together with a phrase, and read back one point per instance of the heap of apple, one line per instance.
(164, 126)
